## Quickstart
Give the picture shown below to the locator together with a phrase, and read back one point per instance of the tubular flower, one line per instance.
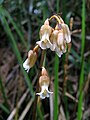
(60, 38)
(57, 39)
(45, 33)
(30, 61)
(53, 39)
(61, 44)
(44, 82)
(66, 33)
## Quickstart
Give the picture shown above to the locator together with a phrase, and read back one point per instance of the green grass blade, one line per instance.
(3, 107)
(15, 27)
(56, 67)
(39, 112)
(75, 54)
(56, 88)
(3, 91)
(57, 6)
(79, 116)
(15, 49)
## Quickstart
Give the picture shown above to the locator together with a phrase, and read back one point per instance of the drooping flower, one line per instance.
(57, 39)
(61, 43)
(53, 39)
(60, 37)
(44, 82)
(45, 33)
(30, 61)
(66, 33)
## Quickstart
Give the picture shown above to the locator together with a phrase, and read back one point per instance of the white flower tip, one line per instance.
(38, 43)
(45, 43)
(59, 54)
(26, 66)
(46, 22)
(69, 40)
(41, 45)
(50, 92)
(44, 92)
(42, 96)
(39, 93)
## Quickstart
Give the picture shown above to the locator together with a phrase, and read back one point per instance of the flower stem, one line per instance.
(54, 16)
(56, 88)
(65, 69)
(44, 59)
(37, 85)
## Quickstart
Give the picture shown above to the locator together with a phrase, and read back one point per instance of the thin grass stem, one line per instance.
(79, 115)
(15, 49)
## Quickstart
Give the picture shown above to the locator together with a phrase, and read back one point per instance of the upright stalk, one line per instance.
(56, 79)
(37, 86)
(79, 116)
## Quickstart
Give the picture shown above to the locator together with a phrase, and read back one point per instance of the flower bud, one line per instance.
(44, 82)
(53, 39)
(30, 61)
(45, 29)
(44, 72)
(32, 57)
(61, 44)
(46, 22)
(66, 32)
(45, 32)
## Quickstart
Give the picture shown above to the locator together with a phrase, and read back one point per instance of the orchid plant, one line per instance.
(56, 39)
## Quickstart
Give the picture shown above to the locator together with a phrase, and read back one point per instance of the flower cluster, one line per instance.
(56, 39)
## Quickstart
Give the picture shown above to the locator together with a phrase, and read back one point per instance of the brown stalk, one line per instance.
(56, 17)
(66, 61)
(37, 86)
(66, 69)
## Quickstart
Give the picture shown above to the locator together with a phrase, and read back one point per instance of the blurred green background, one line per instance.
(20, 22)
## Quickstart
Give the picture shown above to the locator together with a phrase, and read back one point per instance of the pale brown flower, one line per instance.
(60, 37)
(45, 33)
(30, 61)
(53, 39)
(44, 82)
(66, 32)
